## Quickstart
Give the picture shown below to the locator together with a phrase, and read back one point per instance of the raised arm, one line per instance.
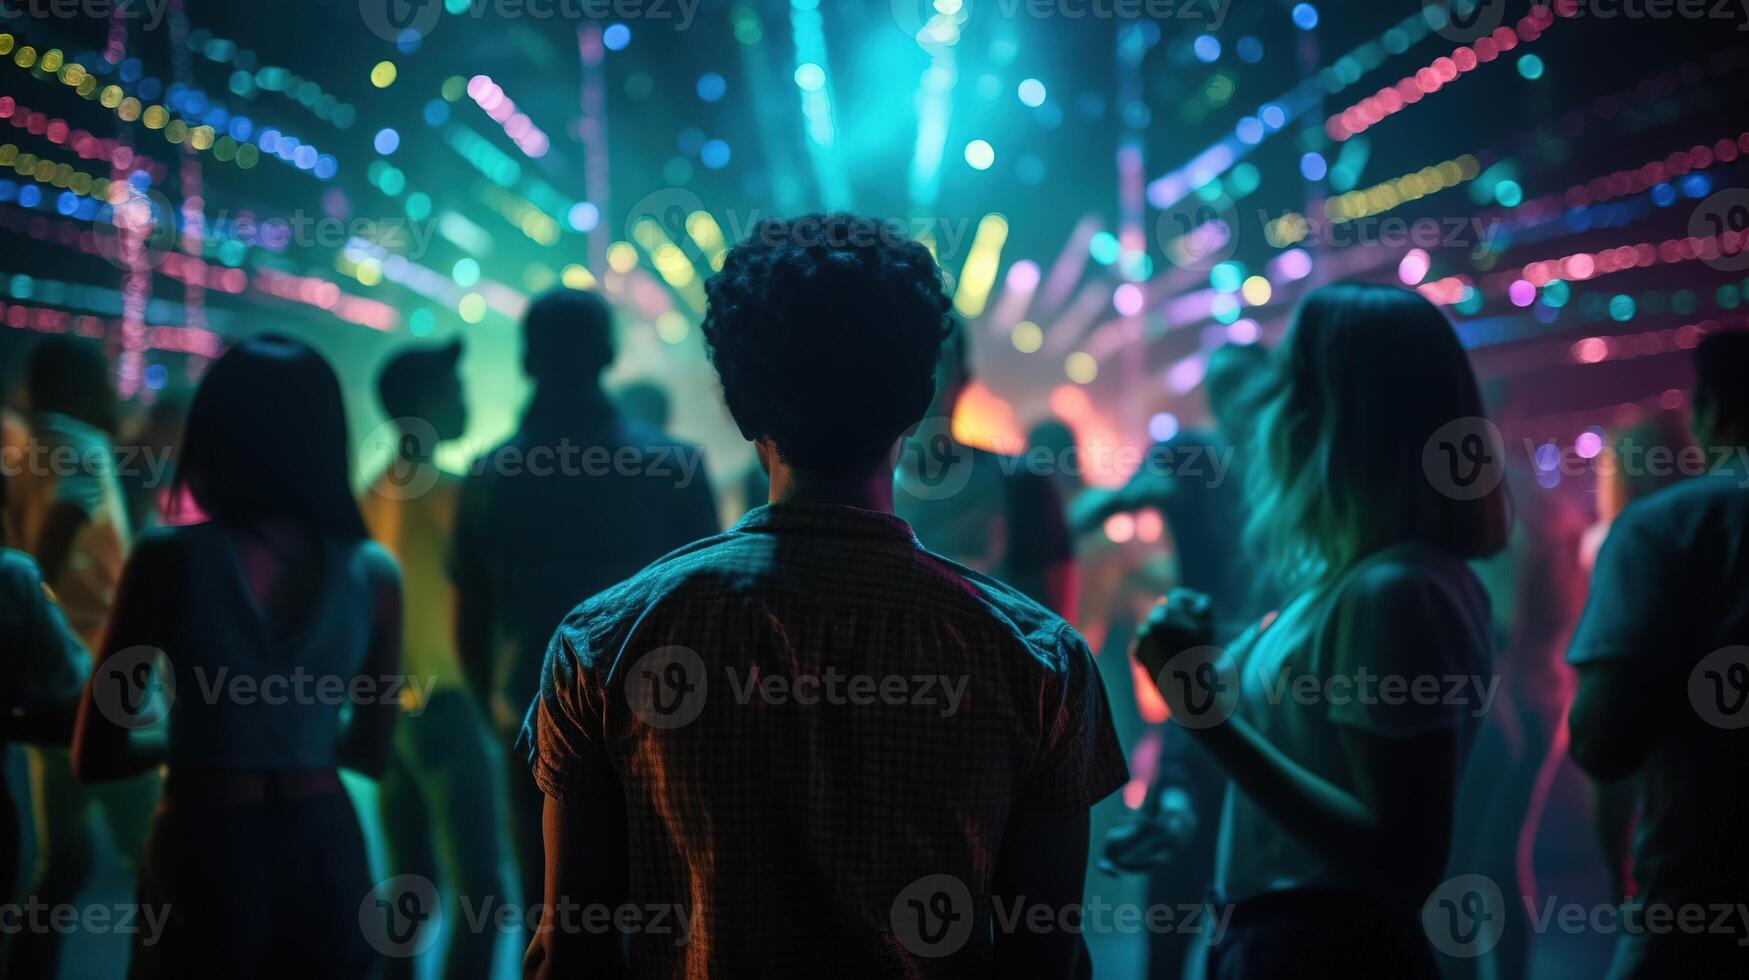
(1394, 825)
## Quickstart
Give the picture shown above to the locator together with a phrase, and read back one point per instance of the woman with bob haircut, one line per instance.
(228, 641)
(1336, 715)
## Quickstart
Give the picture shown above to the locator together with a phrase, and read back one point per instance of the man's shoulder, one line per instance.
(709, 567)
(1045, 635)
(1694, 503)
(18, 570)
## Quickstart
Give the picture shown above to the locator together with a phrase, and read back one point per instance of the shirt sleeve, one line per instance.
(1409, 652)
(1079, 760)
(1630, 612)
(563, 737)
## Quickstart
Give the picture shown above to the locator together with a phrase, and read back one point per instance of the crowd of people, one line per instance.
(857, 732)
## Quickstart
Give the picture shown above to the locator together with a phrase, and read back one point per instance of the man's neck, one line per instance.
(872, 491)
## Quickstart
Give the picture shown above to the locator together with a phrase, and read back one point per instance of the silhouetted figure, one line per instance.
(1535, 587)
(440, 795)
(1662, 652)
(147, 459)
(646, 402)
(982, 509)
(1337, 824)
(1627, 474)
(67, 510)
(809, 826)
(580, 498)
(44, 666)
(253, 654)
(1053, 440)
(1197, 481)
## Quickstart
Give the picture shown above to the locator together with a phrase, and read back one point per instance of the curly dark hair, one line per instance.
(825, 331)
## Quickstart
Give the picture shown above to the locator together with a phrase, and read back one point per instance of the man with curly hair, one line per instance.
(808, 746)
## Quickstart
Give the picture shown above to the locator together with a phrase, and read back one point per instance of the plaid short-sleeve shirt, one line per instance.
(821, 731)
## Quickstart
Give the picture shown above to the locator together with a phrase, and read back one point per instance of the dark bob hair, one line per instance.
(266, 440)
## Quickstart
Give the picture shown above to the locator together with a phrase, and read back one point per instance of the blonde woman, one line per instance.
(1338, 723)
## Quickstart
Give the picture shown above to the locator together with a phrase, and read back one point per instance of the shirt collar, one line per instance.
(835, 520)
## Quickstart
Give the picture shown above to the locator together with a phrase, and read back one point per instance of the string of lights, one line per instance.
(1442, 71)
(248, 79)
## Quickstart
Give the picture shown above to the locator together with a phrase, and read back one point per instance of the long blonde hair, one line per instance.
(1366, 375)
